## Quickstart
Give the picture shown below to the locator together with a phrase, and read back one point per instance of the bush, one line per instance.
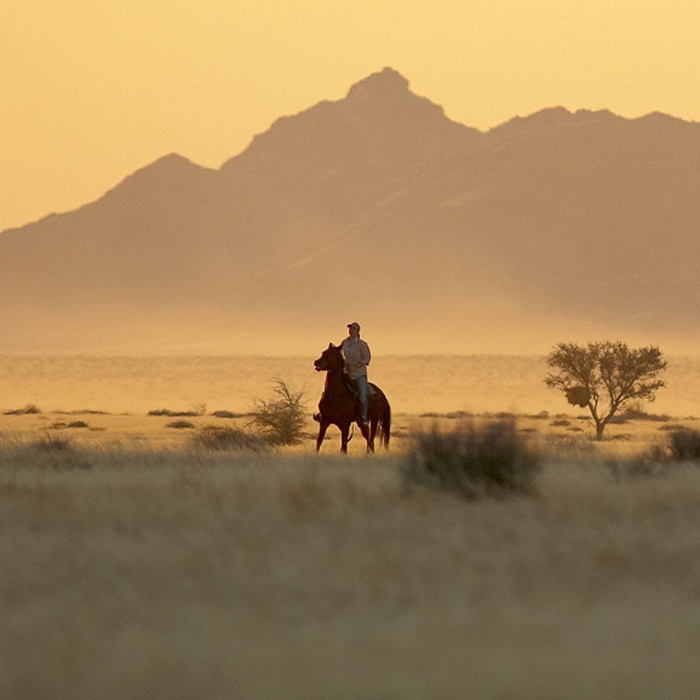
(62, 425)
(282, 419)
(227, 414)
(29, 409)
(636, 412)
(684, 444)
(226, 438)
(472, 460)
(173, 414)
(180, 425)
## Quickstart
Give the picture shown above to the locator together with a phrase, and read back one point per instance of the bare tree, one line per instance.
(604, 376)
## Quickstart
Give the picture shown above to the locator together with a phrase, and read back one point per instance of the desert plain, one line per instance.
(137, 565)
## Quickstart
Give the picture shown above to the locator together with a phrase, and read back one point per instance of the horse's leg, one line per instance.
(373, 425)
(367, 436)
(344, 439)
(322, 427)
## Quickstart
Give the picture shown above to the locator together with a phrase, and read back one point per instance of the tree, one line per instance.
(604, 376)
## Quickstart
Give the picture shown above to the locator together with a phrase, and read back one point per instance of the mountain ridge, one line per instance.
(378, 206)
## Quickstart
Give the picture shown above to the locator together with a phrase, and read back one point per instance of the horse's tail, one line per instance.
(384, 426)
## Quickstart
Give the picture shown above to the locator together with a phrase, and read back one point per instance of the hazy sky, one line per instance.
(95, 89)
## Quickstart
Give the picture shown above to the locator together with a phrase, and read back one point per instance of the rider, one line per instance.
(357, 357)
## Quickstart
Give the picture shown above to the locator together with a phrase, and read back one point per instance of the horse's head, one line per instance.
(331, 359)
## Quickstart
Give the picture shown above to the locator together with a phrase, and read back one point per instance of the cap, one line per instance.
(354, 325)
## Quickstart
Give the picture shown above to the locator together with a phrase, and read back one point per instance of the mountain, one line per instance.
(377, 207)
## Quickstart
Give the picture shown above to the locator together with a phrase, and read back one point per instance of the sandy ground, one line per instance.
(121, 430)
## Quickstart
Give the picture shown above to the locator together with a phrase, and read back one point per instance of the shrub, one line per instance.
(180, 424)
(684, 444)
(226, 438)
(227, 414)
(62, 425)
(281, 419)
(472, 460)
(173, 414)
(636, 412)
(81, 412)
(29, 409)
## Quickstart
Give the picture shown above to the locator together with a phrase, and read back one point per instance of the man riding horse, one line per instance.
(340, 402)
(357, 356)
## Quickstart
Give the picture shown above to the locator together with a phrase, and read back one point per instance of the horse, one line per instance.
(340, 406)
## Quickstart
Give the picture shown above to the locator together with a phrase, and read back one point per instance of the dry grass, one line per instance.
(144, 570)
(225, 438)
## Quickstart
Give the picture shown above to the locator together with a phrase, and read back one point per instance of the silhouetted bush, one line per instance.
(180, 424)
(684, 444)
(62, 425)
(29, 409)
(282, 419)
(82, 412)
(472, 460)
(560, 423)
(173, 414)
(636, 412)
(226, 438)
(227, 414)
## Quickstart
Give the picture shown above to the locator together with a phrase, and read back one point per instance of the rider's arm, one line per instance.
(366, 354)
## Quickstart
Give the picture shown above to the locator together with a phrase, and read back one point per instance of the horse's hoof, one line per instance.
(317, 417)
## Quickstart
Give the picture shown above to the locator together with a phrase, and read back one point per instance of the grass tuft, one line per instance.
(52, 443)
(228, 438)
(48, 451)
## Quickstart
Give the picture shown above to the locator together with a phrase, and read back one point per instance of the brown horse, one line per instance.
(340, 406)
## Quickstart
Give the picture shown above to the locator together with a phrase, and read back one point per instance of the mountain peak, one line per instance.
(380, 119)
(169, 171)
(172, 162)
(386, 82)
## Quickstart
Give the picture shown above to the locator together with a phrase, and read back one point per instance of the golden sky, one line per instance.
(95, 89)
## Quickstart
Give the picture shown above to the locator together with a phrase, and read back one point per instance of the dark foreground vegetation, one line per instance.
(473, 460)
